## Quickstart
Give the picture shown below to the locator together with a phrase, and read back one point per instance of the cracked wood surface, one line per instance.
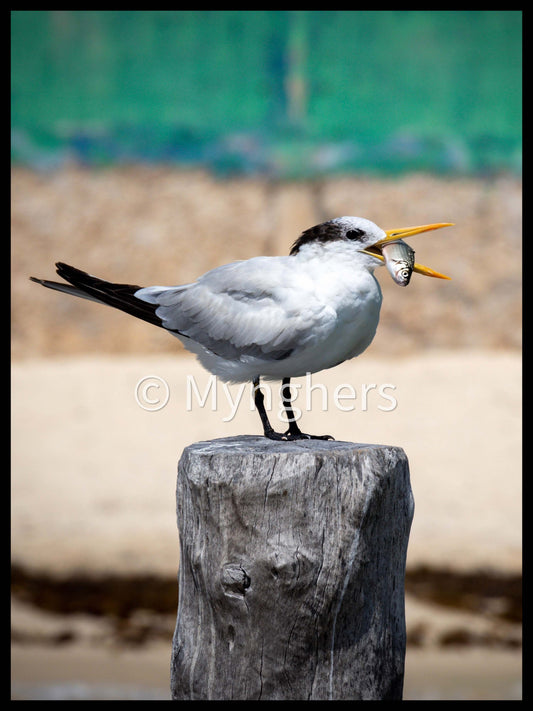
(292, 570)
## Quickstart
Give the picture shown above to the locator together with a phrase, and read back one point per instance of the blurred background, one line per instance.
(150, 146)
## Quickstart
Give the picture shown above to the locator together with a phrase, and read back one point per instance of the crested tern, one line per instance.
(277, 317)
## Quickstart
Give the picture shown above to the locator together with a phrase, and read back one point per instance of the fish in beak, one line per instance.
(379, 249)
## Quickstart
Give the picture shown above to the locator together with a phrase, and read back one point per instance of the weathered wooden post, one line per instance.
(291, 582)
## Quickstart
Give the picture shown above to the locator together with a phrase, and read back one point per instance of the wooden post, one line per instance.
(291, 581)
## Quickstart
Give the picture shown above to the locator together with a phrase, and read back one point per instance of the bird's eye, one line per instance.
(355, 234)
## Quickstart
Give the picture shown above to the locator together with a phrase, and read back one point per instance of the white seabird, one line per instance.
(269, 317)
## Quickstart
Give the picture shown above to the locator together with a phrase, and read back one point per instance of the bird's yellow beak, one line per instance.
(401, 233)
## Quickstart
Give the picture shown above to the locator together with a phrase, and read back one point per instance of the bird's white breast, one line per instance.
(352, 298)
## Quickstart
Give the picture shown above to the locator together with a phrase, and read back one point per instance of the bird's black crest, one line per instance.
(325, 232)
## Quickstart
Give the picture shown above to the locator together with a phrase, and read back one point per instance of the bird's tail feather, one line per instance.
(86, 286)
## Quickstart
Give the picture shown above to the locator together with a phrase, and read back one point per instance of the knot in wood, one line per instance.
(235, 580)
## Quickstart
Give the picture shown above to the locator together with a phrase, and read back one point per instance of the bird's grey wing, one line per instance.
(244, 309)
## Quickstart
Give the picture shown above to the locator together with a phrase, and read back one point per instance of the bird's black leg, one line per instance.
(260, 405)
(294, 431)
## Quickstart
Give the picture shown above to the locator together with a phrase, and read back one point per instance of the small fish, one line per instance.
(399, 260)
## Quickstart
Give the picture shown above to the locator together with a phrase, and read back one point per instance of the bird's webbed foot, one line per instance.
(293, 434)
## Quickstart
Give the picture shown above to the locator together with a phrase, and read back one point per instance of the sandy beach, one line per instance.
(94, 462)
(94, 472)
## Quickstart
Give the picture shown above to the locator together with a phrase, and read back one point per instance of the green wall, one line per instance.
(286, 92)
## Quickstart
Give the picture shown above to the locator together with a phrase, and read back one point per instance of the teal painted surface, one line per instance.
(286, 92)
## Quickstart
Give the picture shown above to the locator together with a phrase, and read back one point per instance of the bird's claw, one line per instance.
(289, 436)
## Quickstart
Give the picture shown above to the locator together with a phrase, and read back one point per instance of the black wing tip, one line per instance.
(61, 269)
(119, 296)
